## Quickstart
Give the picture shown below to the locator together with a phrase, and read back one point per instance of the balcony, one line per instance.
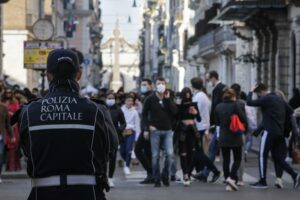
(242, 10)
(220, 38)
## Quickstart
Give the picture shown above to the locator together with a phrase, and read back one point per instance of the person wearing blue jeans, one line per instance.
(159, 111)
(131, 132)
(126, 148)
(166, 138)
(212, 152)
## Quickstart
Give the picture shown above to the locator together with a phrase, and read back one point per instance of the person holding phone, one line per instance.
(186, 134)
(158, 114)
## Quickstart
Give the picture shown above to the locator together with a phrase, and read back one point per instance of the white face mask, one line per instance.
(144, 89)
(161, 88)
(110, 102)
(178, 101)
(210, 84)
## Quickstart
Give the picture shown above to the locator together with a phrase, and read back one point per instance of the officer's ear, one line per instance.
(49, 76)
(79, 74)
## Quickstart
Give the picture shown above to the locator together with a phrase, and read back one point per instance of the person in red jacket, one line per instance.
(13, 154)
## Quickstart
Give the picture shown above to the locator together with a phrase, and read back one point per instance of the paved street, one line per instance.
(128, 188)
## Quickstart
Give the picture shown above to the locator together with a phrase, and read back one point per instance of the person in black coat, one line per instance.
(142, 146)
(186, 133)
(217, 95)
(275, 112)
(230, 141)
(119, 122)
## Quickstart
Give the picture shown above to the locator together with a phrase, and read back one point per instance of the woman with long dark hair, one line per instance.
(186, 132)
(13, 153)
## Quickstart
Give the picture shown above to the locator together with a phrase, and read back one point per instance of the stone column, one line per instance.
(147, 46)
(282, 60)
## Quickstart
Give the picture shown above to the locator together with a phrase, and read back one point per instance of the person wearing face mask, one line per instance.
(119, 122)
(131, 131)
(186, 133)
(217, 97)
(274, 111)
(13, 156)
(143, 147)
(158, 114)
(146, 87)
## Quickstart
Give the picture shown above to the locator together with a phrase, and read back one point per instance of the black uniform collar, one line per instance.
(64, 85)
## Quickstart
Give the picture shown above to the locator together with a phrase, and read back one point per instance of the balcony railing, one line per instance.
(258, 3)
(215, 38)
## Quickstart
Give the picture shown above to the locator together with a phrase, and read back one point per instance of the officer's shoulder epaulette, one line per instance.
(31, 100)
(98, 101)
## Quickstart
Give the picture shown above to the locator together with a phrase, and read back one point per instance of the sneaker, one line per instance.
(297, 181)
(218, 159)
(127, 171)
(165, 181)
(178, 180)
(259, 185)
(228, 188)
(232, 184)
(200, 177)
(186, 182)
(157, 184)
(288, 159)
(147, 180)
(278, 183)
(111, 183)
(216, 177)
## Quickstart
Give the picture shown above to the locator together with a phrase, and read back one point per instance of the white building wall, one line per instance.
(13, 60)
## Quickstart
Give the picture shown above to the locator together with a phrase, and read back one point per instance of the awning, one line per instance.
(239, 10)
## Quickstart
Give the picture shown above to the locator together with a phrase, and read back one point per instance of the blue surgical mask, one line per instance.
(144, 89)
(110, 102)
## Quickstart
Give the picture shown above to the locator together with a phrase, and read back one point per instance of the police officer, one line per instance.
(67, 138)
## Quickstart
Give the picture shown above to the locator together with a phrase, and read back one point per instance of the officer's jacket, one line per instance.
(66, 134)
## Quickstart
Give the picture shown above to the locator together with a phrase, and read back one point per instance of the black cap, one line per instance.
(59, 56)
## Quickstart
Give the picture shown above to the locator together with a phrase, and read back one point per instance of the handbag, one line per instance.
(236, 125)
(296, 154)
(127, 132)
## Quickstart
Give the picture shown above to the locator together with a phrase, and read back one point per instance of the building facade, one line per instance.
(16, 30)
(249, 40)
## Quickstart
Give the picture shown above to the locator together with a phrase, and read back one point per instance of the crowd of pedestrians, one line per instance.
(157, 123)
(11, 98)
(160, 126)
